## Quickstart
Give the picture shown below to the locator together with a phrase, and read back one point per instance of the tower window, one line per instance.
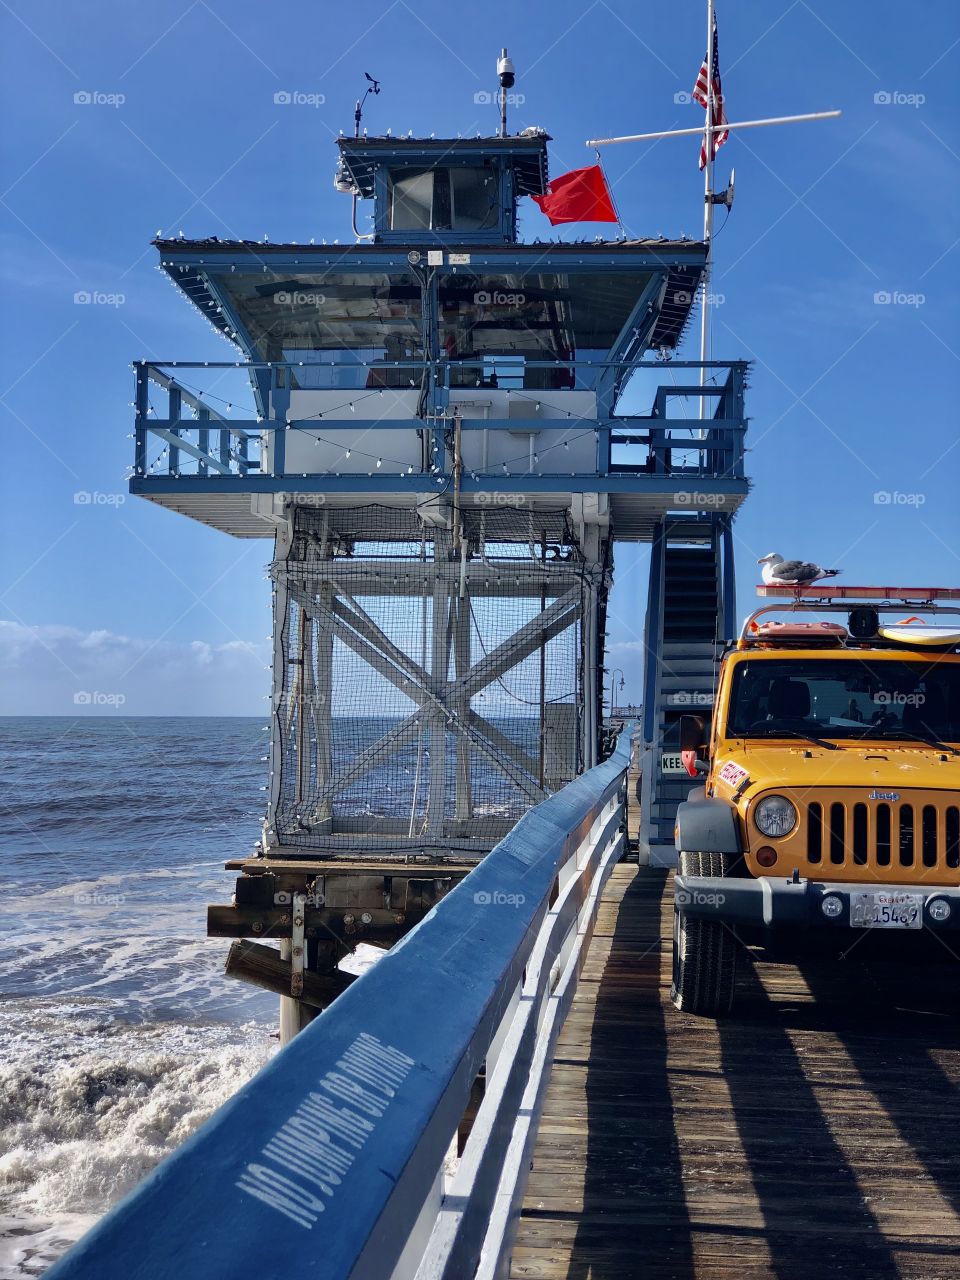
(463, 198)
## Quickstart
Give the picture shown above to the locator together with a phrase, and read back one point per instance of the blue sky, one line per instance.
(836, 274)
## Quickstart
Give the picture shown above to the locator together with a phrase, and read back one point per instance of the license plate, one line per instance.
(881, 910)
(672, 764)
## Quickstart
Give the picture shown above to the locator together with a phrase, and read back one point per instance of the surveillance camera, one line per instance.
(506, 70)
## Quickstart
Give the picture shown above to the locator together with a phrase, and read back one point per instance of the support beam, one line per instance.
(392, 740)
(205, 458)
(439, 670)
(502, 760)
(501, 743)
(264, 967)
(437, 707)
(512, 651)
(463, 803)
(434, 709)
(358, 618)
(341, 628)
(322, 816)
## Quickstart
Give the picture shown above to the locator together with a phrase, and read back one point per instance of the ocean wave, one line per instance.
(93, 1105)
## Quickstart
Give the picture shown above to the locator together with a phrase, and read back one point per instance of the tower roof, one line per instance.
(360, 157)
(211, 272)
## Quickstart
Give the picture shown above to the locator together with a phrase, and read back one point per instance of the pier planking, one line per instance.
(815, 1134)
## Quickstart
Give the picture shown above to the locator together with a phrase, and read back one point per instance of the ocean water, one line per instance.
(119, 1033)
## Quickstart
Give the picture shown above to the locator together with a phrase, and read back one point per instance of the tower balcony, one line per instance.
(496, 431)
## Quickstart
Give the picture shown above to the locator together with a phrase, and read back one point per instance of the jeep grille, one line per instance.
(919, 835)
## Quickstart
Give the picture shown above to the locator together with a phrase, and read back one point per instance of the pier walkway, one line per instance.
(815, 1134)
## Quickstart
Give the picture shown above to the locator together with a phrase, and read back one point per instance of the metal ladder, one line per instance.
(691, 582)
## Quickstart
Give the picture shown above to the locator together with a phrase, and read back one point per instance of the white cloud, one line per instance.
(45, 668)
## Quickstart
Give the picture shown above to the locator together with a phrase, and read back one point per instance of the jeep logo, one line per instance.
(892, 796)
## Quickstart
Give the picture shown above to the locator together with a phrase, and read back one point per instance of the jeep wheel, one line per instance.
(704, 951)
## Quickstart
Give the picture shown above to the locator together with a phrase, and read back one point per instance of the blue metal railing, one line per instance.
(212, 445)
(330, 1162)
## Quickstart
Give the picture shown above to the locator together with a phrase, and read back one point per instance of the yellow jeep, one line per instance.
(832, 787)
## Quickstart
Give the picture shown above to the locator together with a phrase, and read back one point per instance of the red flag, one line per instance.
(579, 196)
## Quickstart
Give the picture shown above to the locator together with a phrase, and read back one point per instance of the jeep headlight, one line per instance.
(775, 816)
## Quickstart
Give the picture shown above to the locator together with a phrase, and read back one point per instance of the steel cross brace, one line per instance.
(437, 699)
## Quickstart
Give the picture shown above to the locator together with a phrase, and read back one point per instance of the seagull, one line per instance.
(778, 572)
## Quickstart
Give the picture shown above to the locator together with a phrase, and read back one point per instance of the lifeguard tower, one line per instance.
(451, 430)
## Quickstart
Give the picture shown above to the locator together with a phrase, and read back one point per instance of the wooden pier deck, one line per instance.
(815, 1134)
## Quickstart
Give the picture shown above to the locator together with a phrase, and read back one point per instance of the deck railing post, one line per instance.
(279, 404)
(723, 455)
(203, 438)
(736, 381)
(652, 638)
(176, 409)
(143, 413)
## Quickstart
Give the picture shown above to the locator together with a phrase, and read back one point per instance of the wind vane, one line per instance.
(709, 94)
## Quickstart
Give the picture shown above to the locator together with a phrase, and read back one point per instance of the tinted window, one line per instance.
(535, 316)
(846, 698)
(411, 206)
(353, 316)
(460, 199)
(474, 197)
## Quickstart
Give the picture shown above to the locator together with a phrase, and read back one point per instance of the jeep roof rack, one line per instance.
(913, 596)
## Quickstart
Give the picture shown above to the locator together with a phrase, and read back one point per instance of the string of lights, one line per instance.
(380, 460)
(511, 393)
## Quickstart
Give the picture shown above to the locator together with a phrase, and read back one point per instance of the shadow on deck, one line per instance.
(814, 1134)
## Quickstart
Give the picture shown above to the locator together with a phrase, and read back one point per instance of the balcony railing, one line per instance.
(180, 433)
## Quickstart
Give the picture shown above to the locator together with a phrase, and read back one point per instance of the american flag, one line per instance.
(718, 115)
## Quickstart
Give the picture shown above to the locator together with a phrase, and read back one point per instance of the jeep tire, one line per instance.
(704, 951)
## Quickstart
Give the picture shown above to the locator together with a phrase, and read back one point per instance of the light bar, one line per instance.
(816, 592)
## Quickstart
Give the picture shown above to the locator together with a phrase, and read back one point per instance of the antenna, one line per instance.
(342, 180)
(374, 88)
(725, 197)
(508, 78)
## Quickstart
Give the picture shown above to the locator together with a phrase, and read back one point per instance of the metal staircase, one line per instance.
(689, 617)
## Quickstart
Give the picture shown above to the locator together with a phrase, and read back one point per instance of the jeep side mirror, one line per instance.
(693, 734)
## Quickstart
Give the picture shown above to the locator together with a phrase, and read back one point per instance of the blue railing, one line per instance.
(335, 1161)
(195, 440)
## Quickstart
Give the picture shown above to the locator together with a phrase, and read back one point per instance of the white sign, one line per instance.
(732, 773)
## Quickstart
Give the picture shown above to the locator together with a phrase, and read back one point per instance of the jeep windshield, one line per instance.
(846, 698)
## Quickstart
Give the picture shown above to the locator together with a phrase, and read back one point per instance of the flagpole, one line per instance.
(707, 212)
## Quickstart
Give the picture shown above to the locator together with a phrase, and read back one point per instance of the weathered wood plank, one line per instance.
(814, 1134)
(264, 967)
